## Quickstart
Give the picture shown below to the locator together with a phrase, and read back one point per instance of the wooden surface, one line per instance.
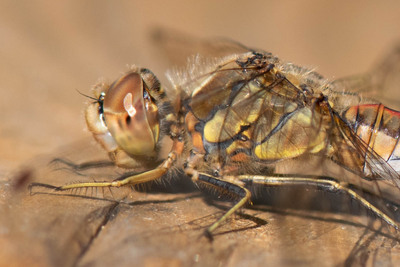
(48, 51)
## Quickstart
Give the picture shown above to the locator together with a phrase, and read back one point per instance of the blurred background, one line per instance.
(51, 49)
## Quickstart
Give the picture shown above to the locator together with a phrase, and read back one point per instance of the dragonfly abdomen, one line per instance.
(379, 127)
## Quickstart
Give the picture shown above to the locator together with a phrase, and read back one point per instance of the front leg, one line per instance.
(136, 179)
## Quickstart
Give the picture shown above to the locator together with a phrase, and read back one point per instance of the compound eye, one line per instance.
(131, 115)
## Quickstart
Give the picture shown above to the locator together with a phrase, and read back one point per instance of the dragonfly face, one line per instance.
(126, 119)
(232, 117)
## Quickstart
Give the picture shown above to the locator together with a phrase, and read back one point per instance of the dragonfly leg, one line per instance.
(140, 178)
(321, 181)
(222, 185)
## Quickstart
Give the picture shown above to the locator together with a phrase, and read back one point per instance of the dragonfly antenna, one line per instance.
(90, 97)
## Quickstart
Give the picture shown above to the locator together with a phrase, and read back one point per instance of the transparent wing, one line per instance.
(386, 78)
(356, 151)
(176, 46)
(381, 84)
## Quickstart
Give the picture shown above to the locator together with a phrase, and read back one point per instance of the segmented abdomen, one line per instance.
(379, 127)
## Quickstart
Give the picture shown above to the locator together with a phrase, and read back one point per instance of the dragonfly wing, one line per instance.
(354, 153)
(381, 83)
(386, 77)
(176, 46)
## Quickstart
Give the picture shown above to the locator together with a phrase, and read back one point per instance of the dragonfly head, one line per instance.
(131, 114)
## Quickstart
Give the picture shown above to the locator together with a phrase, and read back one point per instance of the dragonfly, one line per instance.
(231, 119)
